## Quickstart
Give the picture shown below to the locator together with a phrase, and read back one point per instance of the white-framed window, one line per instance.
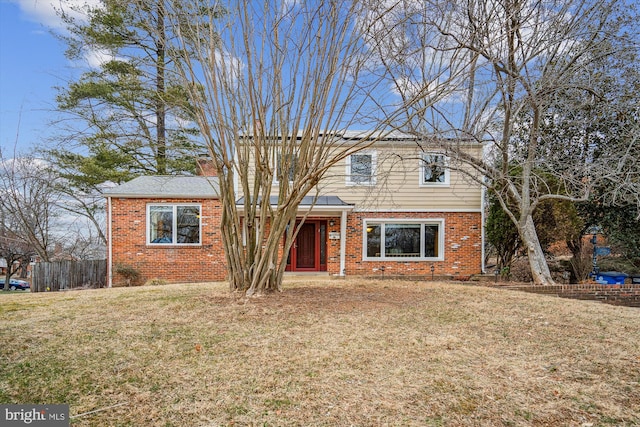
(283, 161)
(174, 224)
(403, 239)
(434, 169)
(361, 168)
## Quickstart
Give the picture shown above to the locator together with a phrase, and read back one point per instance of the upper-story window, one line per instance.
(361, 168)
(286, 162)
(434, 169)
(173, 224)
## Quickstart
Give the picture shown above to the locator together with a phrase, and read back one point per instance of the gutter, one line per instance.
(482, 220)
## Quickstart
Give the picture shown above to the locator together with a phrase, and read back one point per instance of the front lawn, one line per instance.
(323, 353)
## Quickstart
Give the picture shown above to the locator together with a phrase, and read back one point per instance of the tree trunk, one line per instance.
(270, 264)
(9, 275)
(539, 267)
(161, 131)
(577, 262)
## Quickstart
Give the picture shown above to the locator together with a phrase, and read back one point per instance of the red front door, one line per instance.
(305, 247)
(310, 247)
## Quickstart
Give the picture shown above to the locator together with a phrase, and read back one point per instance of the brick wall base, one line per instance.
(627, 295)
(462, 247)
(174, 264)
(207, 262)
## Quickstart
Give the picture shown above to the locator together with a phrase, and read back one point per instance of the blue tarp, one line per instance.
(611, 278)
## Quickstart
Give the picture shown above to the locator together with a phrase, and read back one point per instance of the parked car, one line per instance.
(15, 284)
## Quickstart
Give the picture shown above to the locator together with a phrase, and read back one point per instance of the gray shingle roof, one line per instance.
(167, 186)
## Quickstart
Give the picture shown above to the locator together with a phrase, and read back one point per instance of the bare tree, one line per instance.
(505, 62)
(81, 242)
(83, 202)
(272, 86)
(14, 250)
(28, 202)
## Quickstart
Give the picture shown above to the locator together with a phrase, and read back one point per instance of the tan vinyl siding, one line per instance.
(397, 185)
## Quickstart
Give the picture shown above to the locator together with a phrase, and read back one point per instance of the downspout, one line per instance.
(109, 245)
(236, 184)
(482, 220)
(343, 243)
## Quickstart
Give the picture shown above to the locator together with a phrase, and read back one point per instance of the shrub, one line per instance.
(130, 274)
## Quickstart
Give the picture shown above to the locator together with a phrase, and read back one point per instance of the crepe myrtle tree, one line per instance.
(272, 86)
(493, 71)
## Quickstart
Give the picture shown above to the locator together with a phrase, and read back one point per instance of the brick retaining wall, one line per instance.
(627, 295)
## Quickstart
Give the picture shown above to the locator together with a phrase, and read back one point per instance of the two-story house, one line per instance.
(396, 208)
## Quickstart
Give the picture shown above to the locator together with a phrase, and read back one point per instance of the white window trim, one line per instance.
(276, 181)
(422, 221)
(374, 168)
(447, 171)
(174, 225)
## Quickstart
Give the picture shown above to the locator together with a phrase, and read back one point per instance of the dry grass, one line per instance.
(322, 354)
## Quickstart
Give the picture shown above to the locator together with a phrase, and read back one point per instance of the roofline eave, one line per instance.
(159, 196)
(316, 210)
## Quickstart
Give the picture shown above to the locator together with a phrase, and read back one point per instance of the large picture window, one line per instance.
(403, 239)
(434, 169)
(173, 224)
(361, 168)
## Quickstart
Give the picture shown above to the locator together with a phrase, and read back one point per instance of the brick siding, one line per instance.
(207, 262)
(462, 247)
(172, 263)
(627, 294)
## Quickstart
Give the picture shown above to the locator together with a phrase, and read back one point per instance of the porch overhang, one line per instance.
(320, 206)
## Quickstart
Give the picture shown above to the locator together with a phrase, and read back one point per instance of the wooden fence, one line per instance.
(63, 275)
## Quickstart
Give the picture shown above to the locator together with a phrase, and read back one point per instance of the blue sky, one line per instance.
(32, 62)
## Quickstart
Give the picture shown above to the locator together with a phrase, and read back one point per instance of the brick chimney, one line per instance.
(205, 167)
